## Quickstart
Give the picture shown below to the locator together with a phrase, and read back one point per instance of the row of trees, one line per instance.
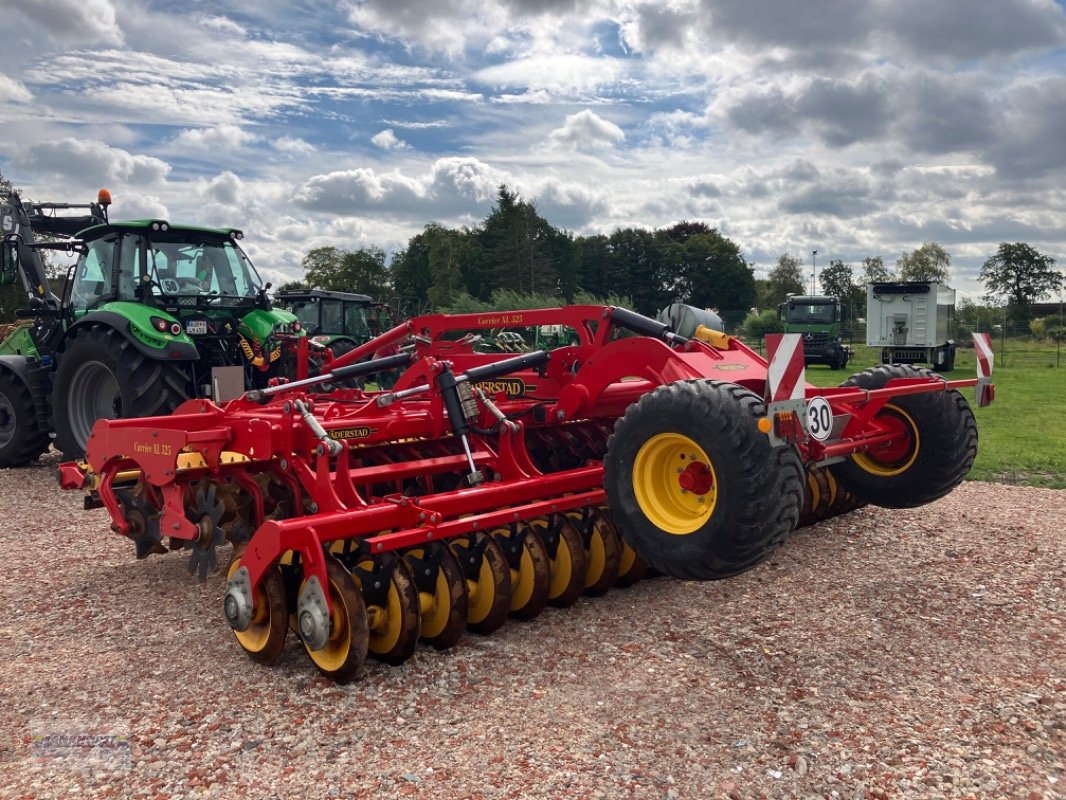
(517, 252)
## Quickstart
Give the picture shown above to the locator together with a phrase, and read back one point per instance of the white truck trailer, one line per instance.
(911, 322)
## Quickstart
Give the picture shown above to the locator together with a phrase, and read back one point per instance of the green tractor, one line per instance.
(340, 321)
(152, 314)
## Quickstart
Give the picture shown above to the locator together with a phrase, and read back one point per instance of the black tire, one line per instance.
(757, 486)
(103, 375)
(22, 439)
(939, 450)
(949, 359)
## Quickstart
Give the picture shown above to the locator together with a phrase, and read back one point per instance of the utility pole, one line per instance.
(814, 289)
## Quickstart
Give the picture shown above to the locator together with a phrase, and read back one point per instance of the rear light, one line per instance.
(787, 426)
(165, 326)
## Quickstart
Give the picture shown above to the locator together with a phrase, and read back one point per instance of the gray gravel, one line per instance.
(882, 654)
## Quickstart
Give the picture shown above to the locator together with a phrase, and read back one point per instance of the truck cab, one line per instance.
(817, 318)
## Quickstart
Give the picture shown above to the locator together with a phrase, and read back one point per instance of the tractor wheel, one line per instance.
(934, 451)
(22, 439)
(699, 490)
(103, 375)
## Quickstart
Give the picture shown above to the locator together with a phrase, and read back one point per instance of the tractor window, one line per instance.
(92, 277)
(213, 268)
(128, 267)
(332, 317)
(355, 321)
(307, 312)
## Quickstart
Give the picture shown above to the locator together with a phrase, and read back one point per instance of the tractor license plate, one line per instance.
(196, 327)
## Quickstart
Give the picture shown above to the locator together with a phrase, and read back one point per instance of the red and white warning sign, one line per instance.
(982, 347)
(785, 374)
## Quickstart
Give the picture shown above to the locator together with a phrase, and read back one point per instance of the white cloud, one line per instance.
(555, 73)
(221, 137)
(586, 131)
(223, 24)
(224, 188)
(93, 163)
(71, 21)
(11, 91)
(293, 146)
(387, 140)
(452, 188)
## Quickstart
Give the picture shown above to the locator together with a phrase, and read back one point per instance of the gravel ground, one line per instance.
(915, 653)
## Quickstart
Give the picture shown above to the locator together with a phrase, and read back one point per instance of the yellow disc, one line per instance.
(661, 465)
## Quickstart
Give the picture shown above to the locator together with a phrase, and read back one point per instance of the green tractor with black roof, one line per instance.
(152, 314)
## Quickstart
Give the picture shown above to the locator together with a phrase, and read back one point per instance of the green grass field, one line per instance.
(1022, 435)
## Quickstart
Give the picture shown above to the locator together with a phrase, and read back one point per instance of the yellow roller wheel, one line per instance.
(346, 648)
(566, 554)
(819, 489)
(264, 638)
(675, 483)
(631, 567)
(393, 609)
(604, 551)
(442, 594)
(488, 581)
(530, 570)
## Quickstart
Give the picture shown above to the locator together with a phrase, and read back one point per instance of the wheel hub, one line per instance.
(696, 478)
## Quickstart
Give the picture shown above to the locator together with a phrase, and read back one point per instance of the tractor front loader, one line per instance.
(483, 485)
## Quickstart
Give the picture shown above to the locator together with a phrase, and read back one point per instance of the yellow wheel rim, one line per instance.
(562, 570)
(334, 655)
(900, 454)
(436, 606)
(675, 483)
(385, 622)
(597, 556)
(256, 637)
(523, 581)
(481, 592)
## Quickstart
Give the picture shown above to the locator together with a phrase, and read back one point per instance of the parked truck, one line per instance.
(910, 321)
(818, 319)
(149, 311)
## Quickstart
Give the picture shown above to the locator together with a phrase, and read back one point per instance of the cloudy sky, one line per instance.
(850, 128)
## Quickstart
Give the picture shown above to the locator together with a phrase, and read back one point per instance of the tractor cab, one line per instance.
(169, 267)
(331, 316)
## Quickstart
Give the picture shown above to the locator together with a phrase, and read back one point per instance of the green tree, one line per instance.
(642, 263)
(930, 262)
(682, 231)
(362, 271)
(521, 246)
(714, 275)
(838, 280)
(293, 286)
(1021, 275)
(875, 271)
(757, 325)
(784, 279)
